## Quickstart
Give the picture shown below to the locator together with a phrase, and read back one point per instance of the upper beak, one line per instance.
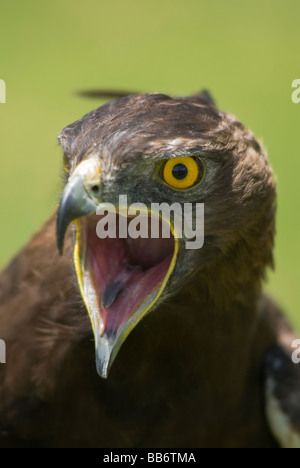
(81, 196)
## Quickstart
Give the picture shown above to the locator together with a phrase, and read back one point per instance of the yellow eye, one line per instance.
(183, 173)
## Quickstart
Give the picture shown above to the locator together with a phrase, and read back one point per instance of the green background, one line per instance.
(246, 53)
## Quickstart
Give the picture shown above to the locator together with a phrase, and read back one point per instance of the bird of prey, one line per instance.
(190, 351)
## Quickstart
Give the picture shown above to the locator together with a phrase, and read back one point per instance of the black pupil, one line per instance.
(180, 171)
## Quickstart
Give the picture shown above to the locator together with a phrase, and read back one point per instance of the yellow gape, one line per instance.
(182, 173)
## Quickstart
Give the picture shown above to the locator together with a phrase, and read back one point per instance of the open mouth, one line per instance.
(121, 277)
(120, 281)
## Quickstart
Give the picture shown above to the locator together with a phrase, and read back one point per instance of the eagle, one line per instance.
(189, 350)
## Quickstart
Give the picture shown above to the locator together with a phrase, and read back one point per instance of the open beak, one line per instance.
(120, 279)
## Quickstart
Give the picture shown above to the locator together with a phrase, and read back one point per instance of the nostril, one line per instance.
(96, 189)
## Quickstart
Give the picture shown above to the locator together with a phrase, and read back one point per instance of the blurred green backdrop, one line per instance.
(246, 53)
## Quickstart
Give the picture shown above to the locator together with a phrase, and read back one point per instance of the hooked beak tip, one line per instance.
(75, 203)
(106, 351)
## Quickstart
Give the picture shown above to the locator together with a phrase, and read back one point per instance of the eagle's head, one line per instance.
(152, 149)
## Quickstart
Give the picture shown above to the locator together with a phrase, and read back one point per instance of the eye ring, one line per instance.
(183, 173)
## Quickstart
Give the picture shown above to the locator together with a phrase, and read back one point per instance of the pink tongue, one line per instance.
(119, 283)
(139, 285)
